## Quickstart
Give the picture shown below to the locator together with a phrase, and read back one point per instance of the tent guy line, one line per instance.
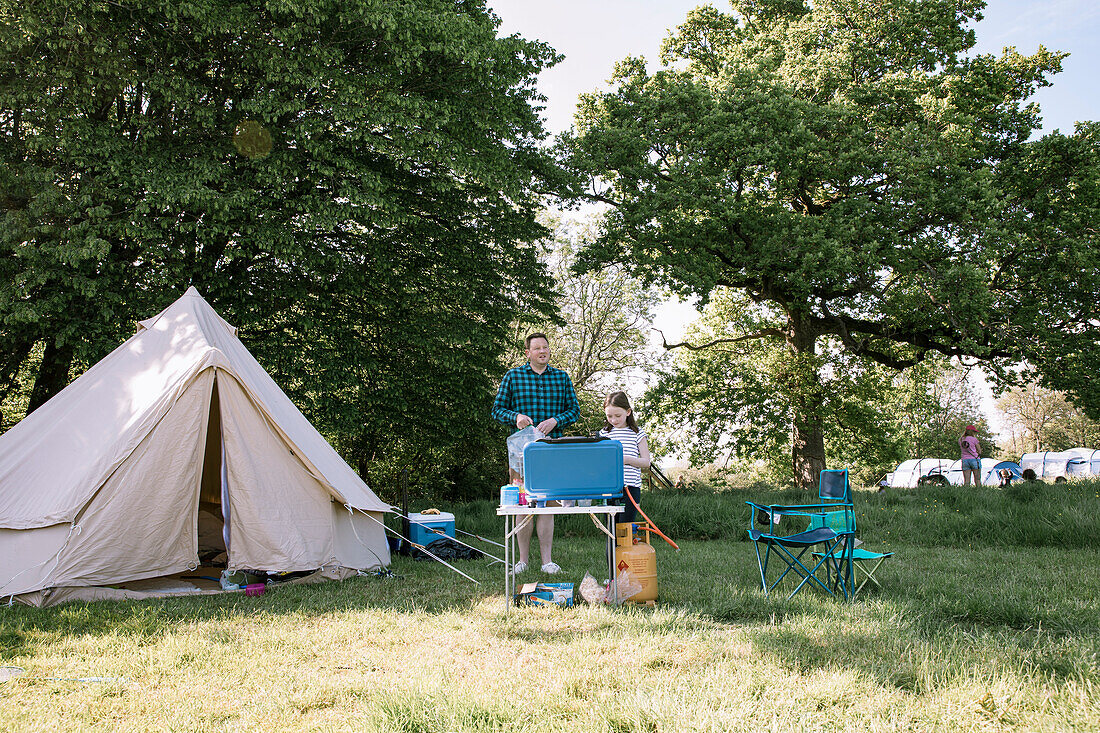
(441, 533)
(425, 550)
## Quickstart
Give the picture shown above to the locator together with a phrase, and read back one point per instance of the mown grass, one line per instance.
(987, 620)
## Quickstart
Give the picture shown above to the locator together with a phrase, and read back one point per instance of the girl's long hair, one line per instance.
(620, 399)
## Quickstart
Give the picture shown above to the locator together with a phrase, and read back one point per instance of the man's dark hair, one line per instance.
(537, 335)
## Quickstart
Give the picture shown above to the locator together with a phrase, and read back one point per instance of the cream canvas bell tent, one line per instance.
(105, 484)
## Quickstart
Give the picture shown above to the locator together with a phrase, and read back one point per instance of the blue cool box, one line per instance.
(425, 529)
(572, 468)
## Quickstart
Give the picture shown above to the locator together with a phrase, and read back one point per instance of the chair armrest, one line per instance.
(837, 506)
(769, 515)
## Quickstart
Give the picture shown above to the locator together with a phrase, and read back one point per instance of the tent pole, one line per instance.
(403, 548)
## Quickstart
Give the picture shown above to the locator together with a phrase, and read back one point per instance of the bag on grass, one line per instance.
(591, 591)
(627, 585)
(447, 549)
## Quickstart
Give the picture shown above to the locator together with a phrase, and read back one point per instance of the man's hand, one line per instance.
(523, 421)
(547, 425)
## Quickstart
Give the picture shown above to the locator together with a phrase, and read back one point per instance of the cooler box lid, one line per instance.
(573, 468)
(441, 518)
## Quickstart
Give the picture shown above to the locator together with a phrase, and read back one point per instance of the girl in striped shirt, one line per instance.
(622, 427)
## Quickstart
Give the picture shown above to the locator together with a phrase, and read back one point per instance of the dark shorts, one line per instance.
(629, 514)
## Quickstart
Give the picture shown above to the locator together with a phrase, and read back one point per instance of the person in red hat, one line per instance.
(971, 451)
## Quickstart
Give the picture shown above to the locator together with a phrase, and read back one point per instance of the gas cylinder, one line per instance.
(637, 558)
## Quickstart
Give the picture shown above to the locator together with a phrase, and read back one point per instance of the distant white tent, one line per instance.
(990, 472)
(1056, 465)
(1089, 465)
(910, 473)
(103, 484)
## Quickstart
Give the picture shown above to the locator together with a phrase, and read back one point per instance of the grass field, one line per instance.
(988, 620)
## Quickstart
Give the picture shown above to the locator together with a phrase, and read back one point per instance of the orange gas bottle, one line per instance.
(637, 558)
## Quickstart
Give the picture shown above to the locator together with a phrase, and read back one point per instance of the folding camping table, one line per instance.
(517, 516)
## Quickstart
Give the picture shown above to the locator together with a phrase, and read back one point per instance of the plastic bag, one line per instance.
(628, 587)
(591, 591)
(517, 441)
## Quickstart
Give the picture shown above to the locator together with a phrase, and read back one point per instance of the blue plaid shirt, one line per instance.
(523, 391)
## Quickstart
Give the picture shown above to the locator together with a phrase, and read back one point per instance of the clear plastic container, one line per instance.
(231, 580)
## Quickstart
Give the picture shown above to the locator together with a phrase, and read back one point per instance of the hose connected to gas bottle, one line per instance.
(651, 526)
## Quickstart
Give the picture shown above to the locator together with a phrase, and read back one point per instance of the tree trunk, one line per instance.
(807, 435)
(9, 372)
(53, 374)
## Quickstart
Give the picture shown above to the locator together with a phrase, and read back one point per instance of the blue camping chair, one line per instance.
(866, 562)
(823, 533)
(834, 486)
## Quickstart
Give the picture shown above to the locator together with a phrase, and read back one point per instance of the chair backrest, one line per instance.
(833, 486)
(837, 521)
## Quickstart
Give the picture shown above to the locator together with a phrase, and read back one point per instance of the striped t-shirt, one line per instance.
(632, 475)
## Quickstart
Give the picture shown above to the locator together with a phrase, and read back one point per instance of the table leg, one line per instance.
(507, 561)
(612, 559)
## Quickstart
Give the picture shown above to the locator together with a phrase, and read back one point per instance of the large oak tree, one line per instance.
(352, 183)
(851, 165)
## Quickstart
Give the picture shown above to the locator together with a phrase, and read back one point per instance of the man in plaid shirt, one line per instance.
(540, 395)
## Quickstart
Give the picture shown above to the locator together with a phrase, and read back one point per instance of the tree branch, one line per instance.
(763, 333)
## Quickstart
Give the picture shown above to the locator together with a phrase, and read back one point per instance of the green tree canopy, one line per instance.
(606, 315)
(725, 396)
(930, 404)
(872, 417)
(351, 183)
(601, 320)
(848, 164)
(1040, 419)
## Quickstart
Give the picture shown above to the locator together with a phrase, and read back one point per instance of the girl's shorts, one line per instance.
(629, 513)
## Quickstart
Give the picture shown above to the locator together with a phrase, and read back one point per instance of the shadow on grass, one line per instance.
(910, 656)
(939, 616)
(418, 587)
(939, 613)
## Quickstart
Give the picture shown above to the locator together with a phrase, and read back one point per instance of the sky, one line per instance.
(594, 34)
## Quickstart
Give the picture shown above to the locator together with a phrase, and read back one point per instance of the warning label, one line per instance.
(623, 565)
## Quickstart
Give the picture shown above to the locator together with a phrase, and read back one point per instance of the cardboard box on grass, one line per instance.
(557, 594)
